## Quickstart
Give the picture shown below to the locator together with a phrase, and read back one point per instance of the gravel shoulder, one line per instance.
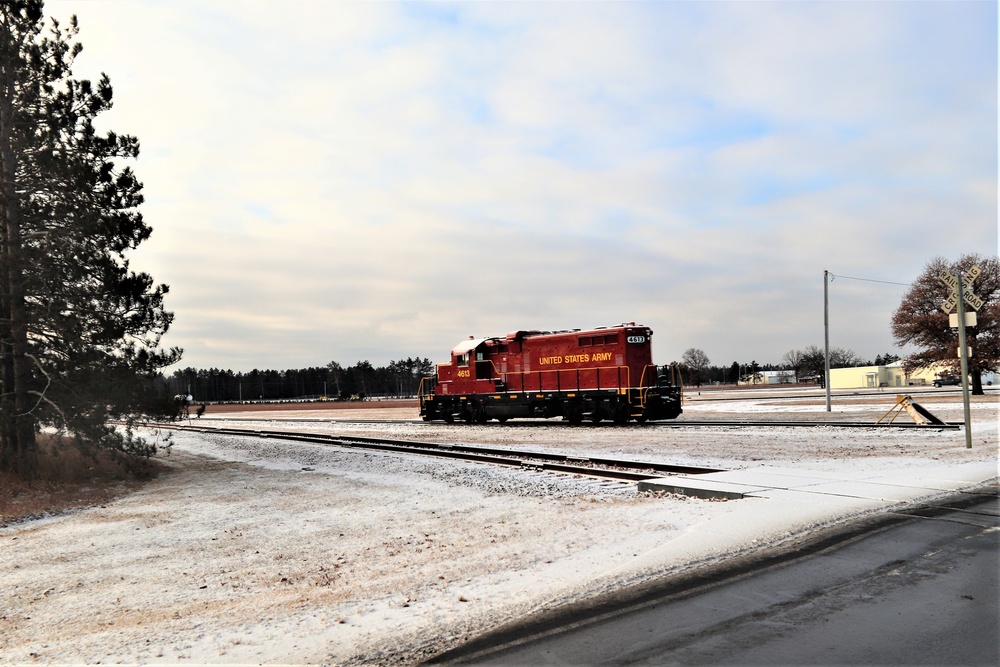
(255, 551)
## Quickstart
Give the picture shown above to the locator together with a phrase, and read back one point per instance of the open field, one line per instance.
(257, 551)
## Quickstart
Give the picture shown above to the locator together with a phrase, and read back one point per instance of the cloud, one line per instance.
(346, 181)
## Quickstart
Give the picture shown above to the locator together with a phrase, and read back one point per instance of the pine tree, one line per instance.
(79, 330)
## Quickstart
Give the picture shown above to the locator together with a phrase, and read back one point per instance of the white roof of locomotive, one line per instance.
(472, 343)
(468, 345)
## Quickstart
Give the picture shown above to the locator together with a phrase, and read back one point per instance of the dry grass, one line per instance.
(69, 479)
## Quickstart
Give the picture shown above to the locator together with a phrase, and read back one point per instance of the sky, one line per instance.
(375, 181)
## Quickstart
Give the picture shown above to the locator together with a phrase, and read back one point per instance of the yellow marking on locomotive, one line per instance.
(582, 358)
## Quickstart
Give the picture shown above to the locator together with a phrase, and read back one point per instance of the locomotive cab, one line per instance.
(471, 366)
(453, 392)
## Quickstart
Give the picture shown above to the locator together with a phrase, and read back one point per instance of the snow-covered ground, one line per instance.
(260, 551)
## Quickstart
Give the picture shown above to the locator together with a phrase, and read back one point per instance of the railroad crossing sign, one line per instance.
(951, 280)
(961, 294)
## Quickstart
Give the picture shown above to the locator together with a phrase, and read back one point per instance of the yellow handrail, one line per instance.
(617, 369)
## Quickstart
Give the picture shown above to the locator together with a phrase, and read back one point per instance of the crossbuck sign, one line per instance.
(970, 298)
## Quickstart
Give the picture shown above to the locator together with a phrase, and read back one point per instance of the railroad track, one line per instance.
(599, 467)
(677, 423)
(813, 424)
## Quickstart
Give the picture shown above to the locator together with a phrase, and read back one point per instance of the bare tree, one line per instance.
(920, 321)
(843, 358)
(794, 359)
(697, 363)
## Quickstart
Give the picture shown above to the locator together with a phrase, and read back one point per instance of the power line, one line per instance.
(869, 280)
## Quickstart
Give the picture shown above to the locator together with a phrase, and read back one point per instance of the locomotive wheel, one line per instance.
(474, 414)
(574, 414)
(622, 413)
(449, 418)
(598, 414)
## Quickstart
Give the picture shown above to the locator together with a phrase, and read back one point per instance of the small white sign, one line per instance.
(970, 319)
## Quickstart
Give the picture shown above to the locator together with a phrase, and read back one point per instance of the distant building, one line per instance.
(777, 377)
(892, 375)
(768, 377)
(861, 377)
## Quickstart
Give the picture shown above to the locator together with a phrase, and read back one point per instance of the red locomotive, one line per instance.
(595, 374)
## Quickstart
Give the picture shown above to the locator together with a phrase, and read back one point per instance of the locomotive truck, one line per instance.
(598, 374)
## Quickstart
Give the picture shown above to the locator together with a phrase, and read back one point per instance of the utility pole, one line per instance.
(826, 336)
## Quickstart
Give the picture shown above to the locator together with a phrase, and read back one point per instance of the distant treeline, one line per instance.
(333, 382)
(402, 378)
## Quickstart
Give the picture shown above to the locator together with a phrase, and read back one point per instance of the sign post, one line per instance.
(960, 297)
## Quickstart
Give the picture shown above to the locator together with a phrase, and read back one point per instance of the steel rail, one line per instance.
(676, 423)
(600, 467)
(673, 423)
(803, 423)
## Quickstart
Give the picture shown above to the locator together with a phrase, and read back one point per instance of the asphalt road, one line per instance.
(919, 588)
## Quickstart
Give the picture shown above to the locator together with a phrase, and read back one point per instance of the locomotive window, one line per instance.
(480, 356)
(464, 360)
(586, 341)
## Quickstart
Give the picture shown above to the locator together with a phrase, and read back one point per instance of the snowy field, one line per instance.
(258, 551)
